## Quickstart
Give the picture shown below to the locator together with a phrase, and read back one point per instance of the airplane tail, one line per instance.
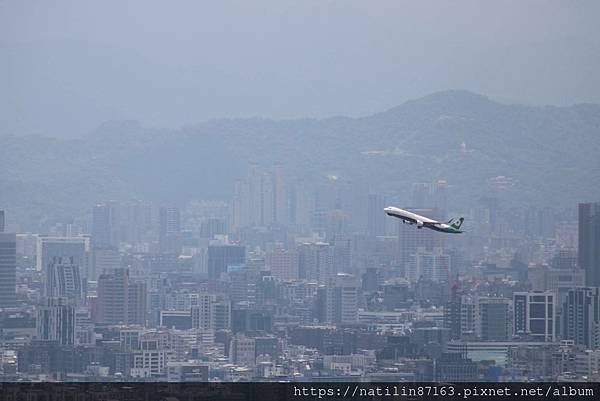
(456, 223)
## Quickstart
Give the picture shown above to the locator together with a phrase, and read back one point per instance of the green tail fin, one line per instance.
(456, 223)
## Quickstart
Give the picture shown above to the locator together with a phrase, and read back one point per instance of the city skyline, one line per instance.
(325, 194)
(227, 273)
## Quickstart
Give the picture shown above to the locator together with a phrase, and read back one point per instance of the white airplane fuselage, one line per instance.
(422, 221)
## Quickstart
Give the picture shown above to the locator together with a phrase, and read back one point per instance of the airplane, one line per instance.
(451, 227)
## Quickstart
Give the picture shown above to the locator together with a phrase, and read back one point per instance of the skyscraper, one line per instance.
(316, 262)
(69, 247)
(136, 302)
(581, 316)
(284, 264)
(337, 302)
(60, 259)
(260, 199)
(2, 221)
(113, 297)
(169, 234)
(242, 350)
(280, 212)
(8, 269)
(211, 227)
(440, 196)
(534, 314)
(210, 313)
(243, 286)
(342, 258)
(421, 195)
(103, 260)
(202, 312)
(376, 218)
(301, 205)
(104, 226)
(589, 242)
(63, 279)
(429, 265)
(56, 321)
(493, 319)
(453, 311)
(222, 256)
(121, 300)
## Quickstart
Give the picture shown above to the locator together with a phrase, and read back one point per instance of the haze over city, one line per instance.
(299, 191)
(70, 66)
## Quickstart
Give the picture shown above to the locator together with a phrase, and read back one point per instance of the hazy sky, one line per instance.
(67, 66)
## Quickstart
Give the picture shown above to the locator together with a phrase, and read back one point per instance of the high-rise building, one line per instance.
(152, 358)
(342, 253)
(169, 231)
(136, 302)
(430, 195)
(301, 206)
(211, 227)
(137, 221)
(376, 218)
(240, 206)
(2, 221)
(120, 299)
(84, 327)
(242, 351)
(211, 313)
(63, 280)
(430, 265)
(534, 315)
(581, 317)
(316, 262)
(440, 196)
(64, 263)
(75, 248)
(280, 212)
(452, 312)
(421, 195)
(284, 263)
(220, 257)
(347, 285)
(27, 248)
(8, 269)
(113, 297)
(260, 199)
(337, 303)
(242, 287)
(544, 278)
(103, 260)
(56, 321)
(565, 259)
(469, 317)
(202, 312)
(104, 226)
(589, 242)
(395, 294)
(221, 314)
(493, 319)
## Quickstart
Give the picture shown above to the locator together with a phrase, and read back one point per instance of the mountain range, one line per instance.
(523, 155)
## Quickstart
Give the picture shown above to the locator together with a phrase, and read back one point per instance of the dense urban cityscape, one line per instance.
(292, 280)
(295, 200)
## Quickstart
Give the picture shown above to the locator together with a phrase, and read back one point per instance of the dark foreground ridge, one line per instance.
(155, 391)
